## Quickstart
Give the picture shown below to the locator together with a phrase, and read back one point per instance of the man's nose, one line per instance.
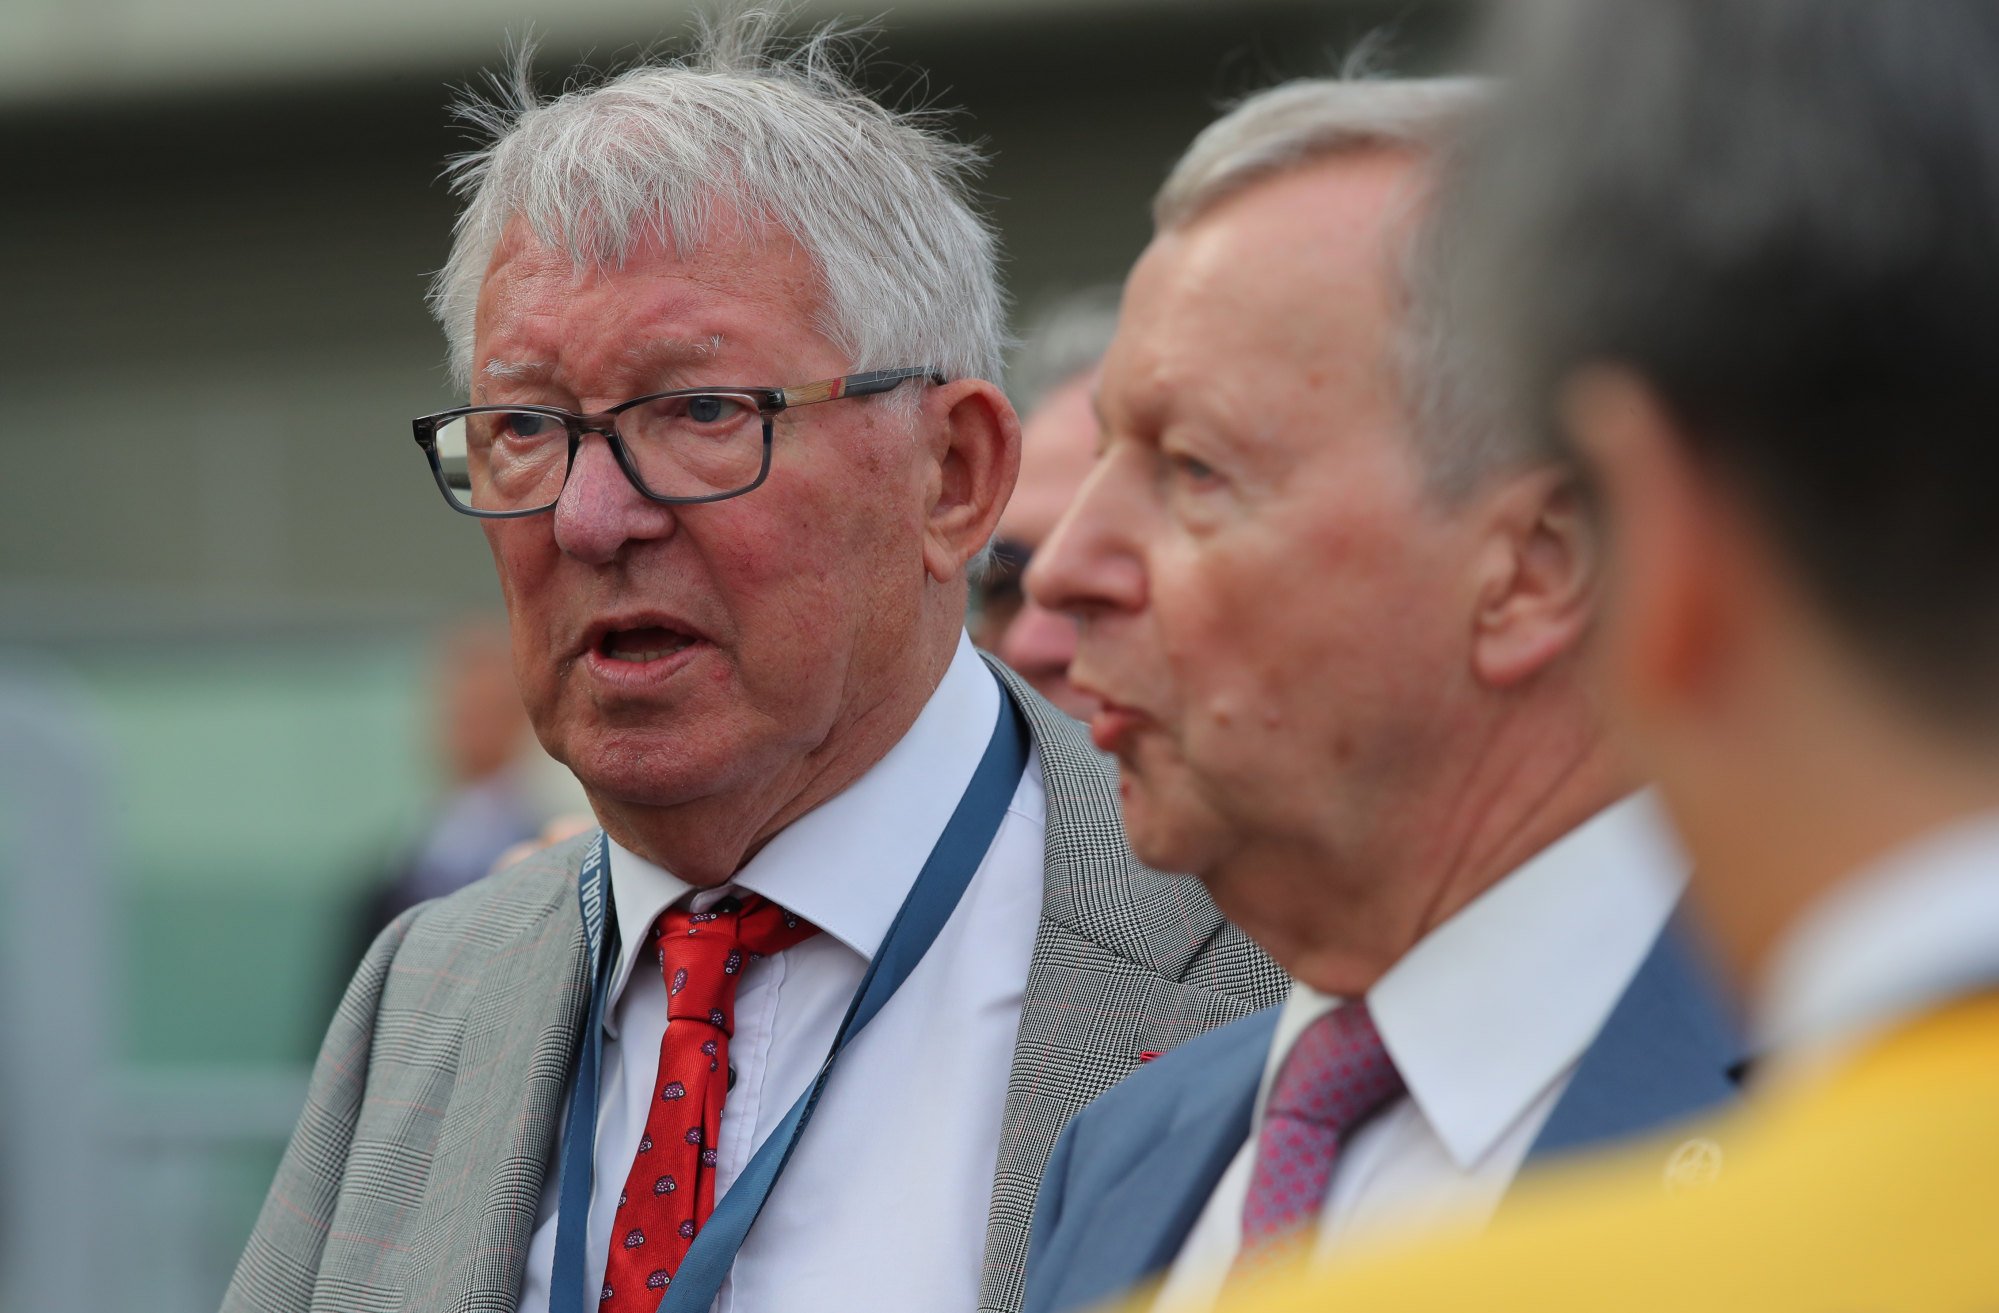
(1090, 563)
(1039, 641)
(599, 511)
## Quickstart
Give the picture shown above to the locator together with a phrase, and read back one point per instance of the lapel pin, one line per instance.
(1696, 1163)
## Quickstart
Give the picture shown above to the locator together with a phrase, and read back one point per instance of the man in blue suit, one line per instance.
(1339, 629)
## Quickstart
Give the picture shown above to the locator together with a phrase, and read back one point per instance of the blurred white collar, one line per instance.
(1912, 930)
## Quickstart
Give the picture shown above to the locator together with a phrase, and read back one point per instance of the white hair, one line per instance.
(1299, 123)
(878, 200)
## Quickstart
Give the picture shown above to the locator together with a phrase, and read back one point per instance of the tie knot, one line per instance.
(702, 954)
(1338, 1073)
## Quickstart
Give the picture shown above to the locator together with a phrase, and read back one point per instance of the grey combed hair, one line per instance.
(880, 201)
(1302, 122)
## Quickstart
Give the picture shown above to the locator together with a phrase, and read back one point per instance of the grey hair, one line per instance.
(1302, 122)
(880, 201)
(1062, 339)
(1298, 122)
(1448, 375)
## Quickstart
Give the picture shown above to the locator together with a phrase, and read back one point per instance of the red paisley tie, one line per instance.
(670, 1191)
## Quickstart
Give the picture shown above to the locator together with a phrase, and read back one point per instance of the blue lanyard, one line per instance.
(932, 899)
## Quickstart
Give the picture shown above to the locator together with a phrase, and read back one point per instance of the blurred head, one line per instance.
(480, 727)
(1312, 620)
(733, 218)
(1052, 379)
(1757, 284)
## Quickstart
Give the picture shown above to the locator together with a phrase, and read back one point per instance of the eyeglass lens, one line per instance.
(698, 445)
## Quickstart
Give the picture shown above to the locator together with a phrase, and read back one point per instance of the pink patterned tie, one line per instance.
(1337, 1075)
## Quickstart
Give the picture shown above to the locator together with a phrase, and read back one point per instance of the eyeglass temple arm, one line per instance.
(855, 385)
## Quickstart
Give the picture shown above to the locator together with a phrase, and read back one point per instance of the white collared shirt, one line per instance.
(883, 1204)
(1486, 1019)
(1908, 932)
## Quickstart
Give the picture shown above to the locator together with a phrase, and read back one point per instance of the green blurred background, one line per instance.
(222, 554)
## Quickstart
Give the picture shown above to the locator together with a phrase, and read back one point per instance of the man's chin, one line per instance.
(1166, 834)
(627, 769)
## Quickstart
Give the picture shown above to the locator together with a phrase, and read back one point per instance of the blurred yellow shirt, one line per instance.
(1868, 1186)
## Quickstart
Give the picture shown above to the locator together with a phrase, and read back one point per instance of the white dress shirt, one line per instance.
(883, 1204)
(1486, 1019)
(1907, 933)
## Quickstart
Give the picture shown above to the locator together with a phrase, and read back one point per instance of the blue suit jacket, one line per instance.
(1133, 1171)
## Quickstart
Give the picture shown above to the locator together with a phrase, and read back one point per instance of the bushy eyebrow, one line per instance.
(510, 371)
(657, 356)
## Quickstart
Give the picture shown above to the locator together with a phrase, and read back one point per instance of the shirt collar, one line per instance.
(848, 864)
(1494, 1006)
(1912, 929)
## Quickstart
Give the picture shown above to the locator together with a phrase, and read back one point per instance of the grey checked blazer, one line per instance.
(414, 1175)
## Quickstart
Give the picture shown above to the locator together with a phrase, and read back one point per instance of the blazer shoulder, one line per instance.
(433, 1104)
(497, 907)
(523, 918)
(1670, 1050)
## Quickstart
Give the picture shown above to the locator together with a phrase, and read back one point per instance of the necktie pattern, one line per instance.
(1337, 1075)
(670, 1191)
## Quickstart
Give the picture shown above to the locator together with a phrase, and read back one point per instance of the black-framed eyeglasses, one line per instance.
(682, 447)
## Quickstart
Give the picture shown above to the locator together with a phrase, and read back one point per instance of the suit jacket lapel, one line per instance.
(1149, 1167)
(469, 1244)
(1669, 1050)
(1145, 1219)
(1126, 961)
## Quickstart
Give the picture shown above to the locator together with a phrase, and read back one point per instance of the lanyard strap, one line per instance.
(579, 1131)
(949, 869)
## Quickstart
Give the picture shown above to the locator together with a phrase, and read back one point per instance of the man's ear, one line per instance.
(976, 457)
(1666, 602)
(1537, 576)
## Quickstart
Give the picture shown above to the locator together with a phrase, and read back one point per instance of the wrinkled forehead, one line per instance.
(1295, 282)
(727, 249)
(742, 287)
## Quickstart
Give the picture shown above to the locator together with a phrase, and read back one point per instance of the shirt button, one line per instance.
(732, 1076)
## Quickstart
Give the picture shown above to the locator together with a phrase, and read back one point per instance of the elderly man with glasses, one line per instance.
(798, 1026)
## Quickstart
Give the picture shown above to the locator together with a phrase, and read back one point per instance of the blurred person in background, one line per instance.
(728, 328)
(487, 752)
(1051, 379)
(1748, 258)
(1338, 618)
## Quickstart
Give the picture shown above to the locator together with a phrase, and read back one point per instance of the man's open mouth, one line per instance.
(649, 643)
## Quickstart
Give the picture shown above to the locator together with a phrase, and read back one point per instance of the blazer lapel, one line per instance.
(1130, 1231)
(1669, 1050)
(530, 997)
(1126, 961)
(1142, 1222)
